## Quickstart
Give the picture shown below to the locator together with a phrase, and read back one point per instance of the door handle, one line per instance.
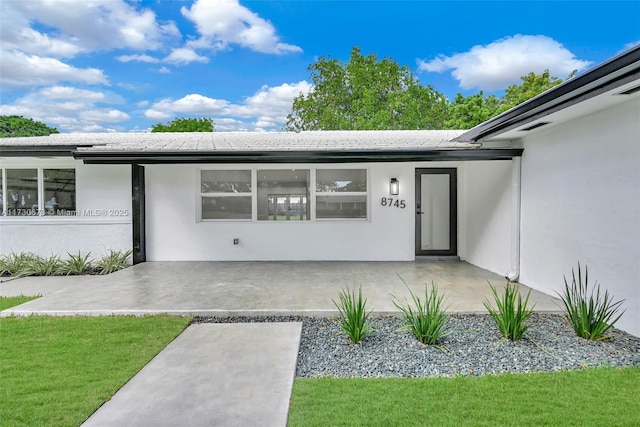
(420, 213)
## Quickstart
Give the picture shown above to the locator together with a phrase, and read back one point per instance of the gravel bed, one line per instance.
(475, 347)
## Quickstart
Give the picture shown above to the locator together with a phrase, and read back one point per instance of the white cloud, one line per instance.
(164, 70)
(156, 115)
(630, 45)
(184, 55)
(139, 58)
(90, 25)
(225, 22)
(267, 109)
(502, 63)
(19, 69)
(32, 56)
(71, 109)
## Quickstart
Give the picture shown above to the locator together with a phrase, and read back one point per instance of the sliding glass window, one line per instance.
(225, 194)
(341, 194)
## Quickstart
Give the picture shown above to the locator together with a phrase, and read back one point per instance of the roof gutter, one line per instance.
(619, 70)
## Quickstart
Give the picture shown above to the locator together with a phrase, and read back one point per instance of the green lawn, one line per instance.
(8, 302)
(56, 371)
(594, 397)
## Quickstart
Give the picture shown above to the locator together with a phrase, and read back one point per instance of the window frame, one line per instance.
(313, 194)
(41, 210)
(201, 195)
(344, 194)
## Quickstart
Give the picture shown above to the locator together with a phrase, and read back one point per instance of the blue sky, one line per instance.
(120, 66)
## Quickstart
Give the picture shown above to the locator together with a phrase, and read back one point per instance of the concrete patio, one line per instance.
(256, 288)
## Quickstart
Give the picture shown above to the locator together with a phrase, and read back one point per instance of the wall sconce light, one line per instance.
(394, 187)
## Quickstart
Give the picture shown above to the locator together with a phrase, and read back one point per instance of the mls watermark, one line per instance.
(91, 213)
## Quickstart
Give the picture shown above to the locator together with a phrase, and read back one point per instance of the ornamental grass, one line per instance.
(591, 314)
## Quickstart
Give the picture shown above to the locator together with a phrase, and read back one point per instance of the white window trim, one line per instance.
(254, 194)
(40, 178)
(345, 194)
(200, 195)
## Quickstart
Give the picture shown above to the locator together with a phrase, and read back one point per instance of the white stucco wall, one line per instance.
(487, 215)
(103, 221)
(173, 232)
(581, 202)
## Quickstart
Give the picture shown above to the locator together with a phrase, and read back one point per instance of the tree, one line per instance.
(532, 84)
(467, 112)
(185, 125)
(11, 126)
(365, 94)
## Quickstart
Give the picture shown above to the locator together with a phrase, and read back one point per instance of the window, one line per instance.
(283, 195)
(226, 194)
(38, 192)
(341, 193)
(59, 191)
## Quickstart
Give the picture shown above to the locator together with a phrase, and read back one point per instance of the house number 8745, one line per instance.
(393, 203)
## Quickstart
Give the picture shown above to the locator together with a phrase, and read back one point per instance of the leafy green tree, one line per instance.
(365, 94)
(185, 125)
(11, 126)
(532, 84)
(467, 112)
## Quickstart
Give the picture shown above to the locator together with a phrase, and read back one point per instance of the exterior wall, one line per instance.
(102, 223)
(487, 215)
(173, 232)
(581, 202)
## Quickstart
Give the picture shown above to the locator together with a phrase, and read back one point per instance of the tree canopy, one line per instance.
(467, 112)
(11, 126)
(365, 94)
(185, 125)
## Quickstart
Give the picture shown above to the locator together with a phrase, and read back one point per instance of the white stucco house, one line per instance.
(528, 194)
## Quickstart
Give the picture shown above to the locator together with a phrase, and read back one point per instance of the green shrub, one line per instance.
(78, 264)
(17, 264)
(51, 266)
(426, 320)
(510, 315)
(113, 261)
(591, 315)
(354, 318)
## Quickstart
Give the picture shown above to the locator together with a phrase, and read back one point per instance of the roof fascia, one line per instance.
(182, 157)
(37, 150)
(619, 70)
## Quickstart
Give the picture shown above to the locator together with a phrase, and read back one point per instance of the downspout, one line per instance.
(516, 189)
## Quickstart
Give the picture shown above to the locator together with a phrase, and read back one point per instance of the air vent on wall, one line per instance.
(532, 127)
(630, 91)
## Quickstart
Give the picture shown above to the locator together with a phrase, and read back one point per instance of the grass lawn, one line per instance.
(8, 302)
(56, 371)
(594, 397)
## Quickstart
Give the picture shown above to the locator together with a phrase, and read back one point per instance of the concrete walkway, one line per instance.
(212, 375)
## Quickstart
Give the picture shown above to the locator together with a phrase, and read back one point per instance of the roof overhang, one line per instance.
(621, 70)
(320, 156)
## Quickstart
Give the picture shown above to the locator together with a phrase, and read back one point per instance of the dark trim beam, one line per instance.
(138, 213)
(37, 150)
(361, 156)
